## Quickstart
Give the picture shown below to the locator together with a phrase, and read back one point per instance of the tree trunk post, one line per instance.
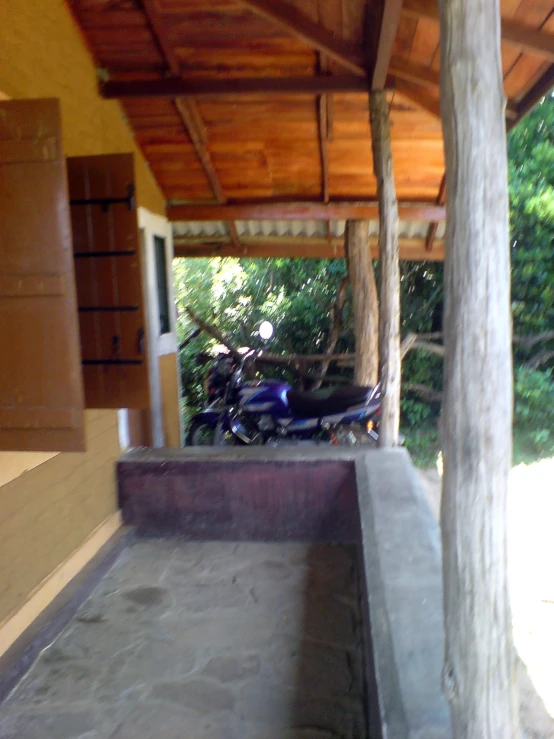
(389, 272)
(364, 302)
(480, 666)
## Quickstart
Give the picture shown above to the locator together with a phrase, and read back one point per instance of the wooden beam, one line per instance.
(275, 211)
(536, 42)
(389, 272)
(157, 24)
(300, 247)
(220, 88)
(235, 238)
(315, 35)
(323, 153)
(197, 132)
(528, 102)
(513, 32)
(384, 16)
(433, 228)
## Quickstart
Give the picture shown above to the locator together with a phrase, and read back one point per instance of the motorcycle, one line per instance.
(252, 412)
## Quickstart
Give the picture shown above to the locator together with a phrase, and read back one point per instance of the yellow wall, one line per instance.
(42, 54)
(48, 511)
(170, 400)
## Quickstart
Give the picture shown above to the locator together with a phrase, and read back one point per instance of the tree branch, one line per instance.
(540, 358)
(528, 341)
(335, 322)
(425, 391)
(190, 337)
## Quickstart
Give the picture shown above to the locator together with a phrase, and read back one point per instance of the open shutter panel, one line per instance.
(109, 291)
(41, 391)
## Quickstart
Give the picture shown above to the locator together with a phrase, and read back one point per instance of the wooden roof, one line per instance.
(263, 101)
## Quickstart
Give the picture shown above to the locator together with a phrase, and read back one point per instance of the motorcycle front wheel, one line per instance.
(201, 433)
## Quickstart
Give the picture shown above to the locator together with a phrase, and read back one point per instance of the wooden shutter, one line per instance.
(108, 275)
(41, 391)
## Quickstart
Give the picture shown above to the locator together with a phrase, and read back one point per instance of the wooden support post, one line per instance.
(389, 272)
(480, 663)
(364, 302)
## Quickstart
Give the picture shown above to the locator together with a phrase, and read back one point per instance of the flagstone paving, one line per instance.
(204, 640)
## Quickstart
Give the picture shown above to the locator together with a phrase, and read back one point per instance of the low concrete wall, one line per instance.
(238, 495)
(314, 493)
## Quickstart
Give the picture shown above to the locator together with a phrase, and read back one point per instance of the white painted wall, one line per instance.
(151, 225)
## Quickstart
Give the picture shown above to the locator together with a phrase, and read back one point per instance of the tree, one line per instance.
(364, 301)
(479, 671)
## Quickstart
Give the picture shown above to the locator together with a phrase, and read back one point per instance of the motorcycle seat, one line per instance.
(323, 403)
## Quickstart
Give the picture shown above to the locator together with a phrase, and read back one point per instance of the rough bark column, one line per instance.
(479, 673)
(364, 301)
(389, 272)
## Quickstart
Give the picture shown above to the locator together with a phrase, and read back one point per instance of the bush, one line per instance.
(534, 407)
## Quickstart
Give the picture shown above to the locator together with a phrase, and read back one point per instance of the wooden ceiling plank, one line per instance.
(385, 15)
(232, 87)
(157, 23)
(314, 34)
(196, 130)
(286, 210)
(513, 32)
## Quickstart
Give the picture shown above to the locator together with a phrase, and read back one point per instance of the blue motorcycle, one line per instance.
(270, 412)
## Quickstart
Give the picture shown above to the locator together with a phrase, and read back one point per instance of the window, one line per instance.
(161, 276)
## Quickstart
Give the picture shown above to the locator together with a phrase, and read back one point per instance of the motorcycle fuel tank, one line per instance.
(267, 396)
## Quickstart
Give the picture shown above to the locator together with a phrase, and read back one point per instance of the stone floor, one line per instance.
(192, 640)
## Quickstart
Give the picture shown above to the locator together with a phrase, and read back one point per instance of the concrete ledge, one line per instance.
(402, 566)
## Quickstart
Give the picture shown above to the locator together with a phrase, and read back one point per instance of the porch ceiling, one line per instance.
(249, 101)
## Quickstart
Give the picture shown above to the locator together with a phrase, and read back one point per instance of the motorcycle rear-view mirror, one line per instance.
(265, 330)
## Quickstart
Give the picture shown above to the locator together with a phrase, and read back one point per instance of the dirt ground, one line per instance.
(531, 553)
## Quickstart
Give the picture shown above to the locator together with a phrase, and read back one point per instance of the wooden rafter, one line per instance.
(433, 228)
(419, 96)
(323, 153)
(234, 234)
(314, 34)
(188, 110)
(218, 88)
(513, 33)
(157, 24)
(300, 247)
(528, 102)
(194, 125)
(286, 210)
(414, 73)
(384, 16)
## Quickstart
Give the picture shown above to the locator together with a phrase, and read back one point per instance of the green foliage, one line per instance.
(296, 295)
(423, 445)
(534, 407)
(531, 171)
(238, 294)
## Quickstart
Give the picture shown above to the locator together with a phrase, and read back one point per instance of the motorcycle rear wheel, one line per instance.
(200, 434)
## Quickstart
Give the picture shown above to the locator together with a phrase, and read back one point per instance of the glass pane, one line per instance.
(161, 276)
